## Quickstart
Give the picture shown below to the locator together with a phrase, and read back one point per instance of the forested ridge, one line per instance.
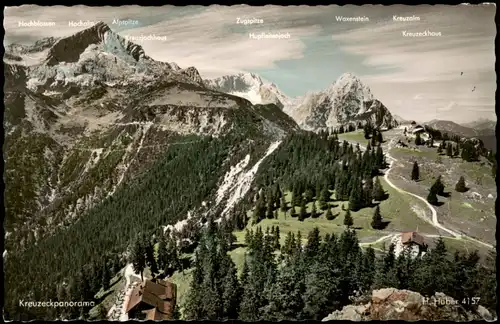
(279, 282)
(301, 281)
(311, 164)
(176, 183)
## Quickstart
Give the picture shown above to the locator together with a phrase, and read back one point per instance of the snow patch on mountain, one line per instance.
(89, 58)
(230, 179)
(345, 101)
(248, 86)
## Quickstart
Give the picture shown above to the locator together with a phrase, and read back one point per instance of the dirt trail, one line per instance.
(383, 238)
(434, 221)
(127, 273)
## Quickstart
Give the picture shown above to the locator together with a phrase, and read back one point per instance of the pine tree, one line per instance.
(367, 131)
(83, 287)
(283, 204)
(313, 243)
(329, 214)
(368, 269)
(303, 210)
(460, 186)
(314, 213)
(415, 173)
(168, 255)
(324, 198)
(269, 210)
(161, 250)
(138, 257)
(287, 245)
(231, 295)
(348, 221)
(150, 257)
(317, 191)
(309, 195)
(368, 192)
(386, 274)
(379, 158)
(299, 242)
(438, 186)
(377, 219)
(248, 237)
(435, 274)
(293, 212)
(194, 300)
(293, 196)
(106, 277)
(456, 151)
(355, 198)
(378, 191)
(432, 197)
(94, 277)
(277, 238)
(279, 193)
(418, 140)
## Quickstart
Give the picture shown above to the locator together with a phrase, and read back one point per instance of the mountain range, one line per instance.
(343, 102)
(94, 103)
(481, 129)
(481, 123)
(104, 145)
(87, 112)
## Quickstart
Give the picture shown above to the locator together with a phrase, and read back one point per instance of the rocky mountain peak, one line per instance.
(192, 73)
(237, 83)
(347, 100)
(174, 66)
(69, 49)
(251, 78)
(349, 83)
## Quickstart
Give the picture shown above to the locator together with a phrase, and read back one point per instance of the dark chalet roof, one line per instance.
(412, 237)
(161, 296)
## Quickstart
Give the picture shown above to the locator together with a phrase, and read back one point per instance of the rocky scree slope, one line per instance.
(393, 304)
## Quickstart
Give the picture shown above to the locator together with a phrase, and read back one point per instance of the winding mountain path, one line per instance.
(380, 239)
(127, 273)
(434, 221)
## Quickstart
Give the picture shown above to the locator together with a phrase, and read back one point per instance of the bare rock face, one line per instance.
(406, 305)
(345, 101)
(249, 86)
(192, 73)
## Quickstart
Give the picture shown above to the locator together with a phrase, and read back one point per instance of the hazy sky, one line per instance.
(415, 77)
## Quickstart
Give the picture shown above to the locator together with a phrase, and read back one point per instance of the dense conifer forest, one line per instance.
(300, 281)
(293, 281)
(163, 195)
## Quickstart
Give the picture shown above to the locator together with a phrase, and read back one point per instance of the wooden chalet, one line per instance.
(410, 238)
(152, 301)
